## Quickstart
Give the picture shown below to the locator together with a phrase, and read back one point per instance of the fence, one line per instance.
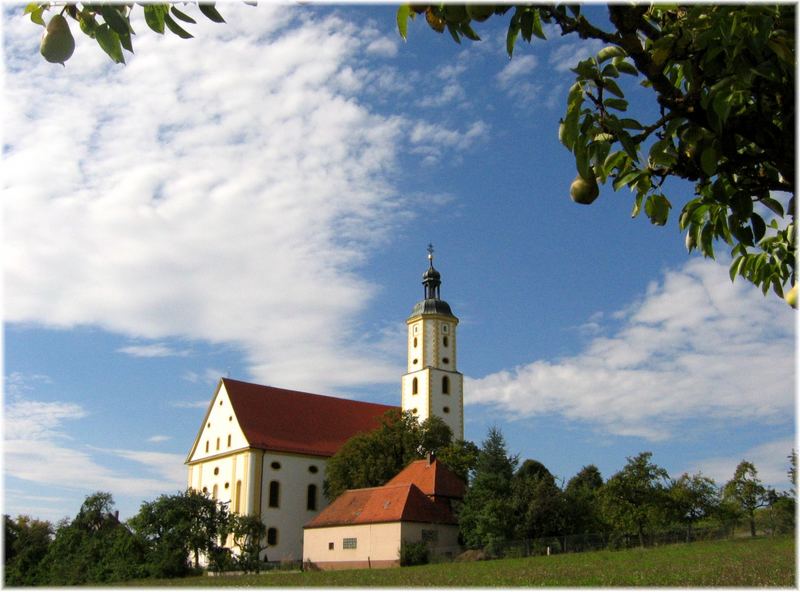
(578, 543)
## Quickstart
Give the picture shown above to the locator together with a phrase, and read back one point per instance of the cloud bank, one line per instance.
(695, 346)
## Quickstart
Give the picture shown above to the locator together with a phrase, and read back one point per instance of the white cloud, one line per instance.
(567, 56)
(431, 139)
(189, 404)
(519, 67)
(770, 460)
(159, 438)
(383, 46)
(153, 350)
(36, 449)
(190, 193)
(694, 347)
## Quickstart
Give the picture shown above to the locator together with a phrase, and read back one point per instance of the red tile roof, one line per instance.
(434, 479)
(395, 503)
(290, 421)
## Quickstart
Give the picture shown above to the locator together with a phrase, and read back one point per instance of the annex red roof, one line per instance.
(291, 421)
(433, 479)
(395, 503)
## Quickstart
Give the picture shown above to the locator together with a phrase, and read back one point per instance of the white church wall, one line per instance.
(294, 476)
(221, 432)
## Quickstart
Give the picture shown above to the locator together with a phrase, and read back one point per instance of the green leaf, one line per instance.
(511, 38)
(708, 160)
(468, 32)
(759, 227)
(637, 205)
(403, 14)
(722, 105)
(176, 28)
(154, 16)
(210, 12)
(657, 209)
(109, 42)
(631, 124)
(619, 104)
(537, 24)
(611, 51)
(182, 16)
(125, 41)
(613, 88)
(626, 67)
(568, 130)
(736, 267)
(623, 180)
(36, 11)
(582, 161)
(773, 204)
(115, 20)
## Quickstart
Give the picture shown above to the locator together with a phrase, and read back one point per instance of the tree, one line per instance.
(94, 547)
(110, 24)
(26, 543)
(792, 473)
(723, 79)
(370, 459)
(486, 518)
(537, 500)
(248, 535)
(582, 504)
(635, 497)
(747, 492)
(693, 498)
(179, 527)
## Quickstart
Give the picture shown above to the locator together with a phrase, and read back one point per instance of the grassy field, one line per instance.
(741, 562)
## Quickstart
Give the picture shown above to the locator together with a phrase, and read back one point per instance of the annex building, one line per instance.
(263, 449)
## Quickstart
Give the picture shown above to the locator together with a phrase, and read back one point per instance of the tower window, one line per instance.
(414, 386)
(311, 498)
(414, 361)
(445, 360)
(446, 385)
(444, 328)
(227, 485)
(414, 411)
(415, 342)
(446, 409)
(445, 341)
(272, 536)
(274, 494)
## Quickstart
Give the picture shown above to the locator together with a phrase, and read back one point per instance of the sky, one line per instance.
(256, 202)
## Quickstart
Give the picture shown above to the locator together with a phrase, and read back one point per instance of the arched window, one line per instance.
(272, 536)
(446, 385)
(311, 500)
(274, 494)
(414, 386)
(214, 492)
(206, 445)
(237, 500)
(229, 440)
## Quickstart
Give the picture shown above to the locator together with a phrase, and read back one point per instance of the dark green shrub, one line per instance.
(414, 553)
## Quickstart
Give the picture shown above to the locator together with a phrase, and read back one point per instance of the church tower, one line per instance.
(432, 385)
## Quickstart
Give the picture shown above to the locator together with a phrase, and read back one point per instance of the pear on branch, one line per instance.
(57, 41)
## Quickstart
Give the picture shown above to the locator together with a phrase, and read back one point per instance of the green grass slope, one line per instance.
(741, 562)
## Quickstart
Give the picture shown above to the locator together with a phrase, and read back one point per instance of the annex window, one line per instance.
(446, 385)
(311, 498)
(272, 536)
(414, 386)
(274, 494)
(430, 536)
(330, 546)
(349, 543)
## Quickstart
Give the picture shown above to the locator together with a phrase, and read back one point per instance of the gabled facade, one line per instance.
(263, 450)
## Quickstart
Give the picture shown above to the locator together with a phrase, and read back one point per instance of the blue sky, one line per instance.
(256, 202)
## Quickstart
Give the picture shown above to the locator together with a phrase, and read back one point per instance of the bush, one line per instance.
(414, 553)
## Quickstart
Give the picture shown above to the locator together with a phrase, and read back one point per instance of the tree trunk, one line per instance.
(641, 536)
(752, 525)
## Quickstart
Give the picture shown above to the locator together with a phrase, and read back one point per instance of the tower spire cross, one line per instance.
(430, 253)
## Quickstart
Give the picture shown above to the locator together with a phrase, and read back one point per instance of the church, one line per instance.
(263, 449)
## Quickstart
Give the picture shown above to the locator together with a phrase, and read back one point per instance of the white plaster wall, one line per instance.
(220, 425)
(375, 542)
(294, 478)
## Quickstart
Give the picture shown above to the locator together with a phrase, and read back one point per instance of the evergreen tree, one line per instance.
(582, 503)
(538, 502)
(486, 519)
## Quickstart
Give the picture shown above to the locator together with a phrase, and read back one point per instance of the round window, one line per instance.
(313, 469)
(275, 465)
(446, 409)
